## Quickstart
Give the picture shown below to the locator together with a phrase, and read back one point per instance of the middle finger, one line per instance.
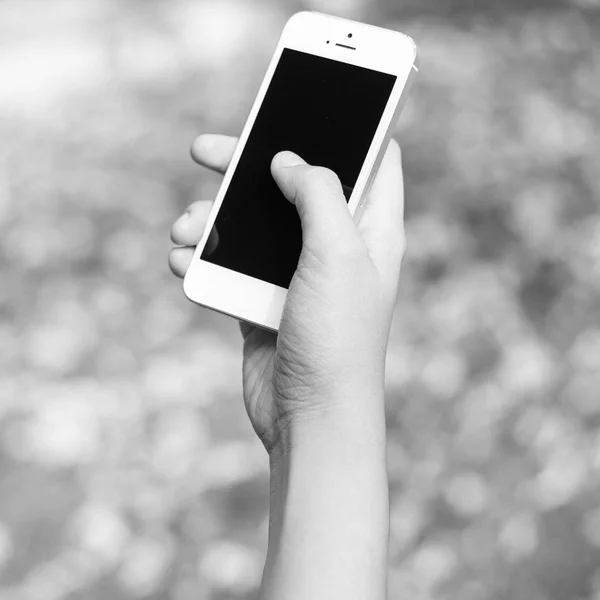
(188, 229)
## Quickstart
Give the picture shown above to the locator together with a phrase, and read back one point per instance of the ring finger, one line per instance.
(187, 231)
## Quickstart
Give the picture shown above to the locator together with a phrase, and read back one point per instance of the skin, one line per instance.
(314, 392)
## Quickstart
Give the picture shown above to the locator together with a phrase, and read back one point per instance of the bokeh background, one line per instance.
(128, 468)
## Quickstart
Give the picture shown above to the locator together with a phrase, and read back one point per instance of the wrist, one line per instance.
(329, 505)
(351, 425)
(333, 450)
(327, 458)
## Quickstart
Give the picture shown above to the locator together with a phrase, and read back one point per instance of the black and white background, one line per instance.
(128, 468)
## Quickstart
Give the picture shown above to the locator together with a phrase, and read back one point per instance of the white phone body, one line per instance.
(254, 300)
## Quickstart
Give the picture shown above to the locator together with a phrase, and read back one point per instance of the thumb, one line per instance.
(316, 192)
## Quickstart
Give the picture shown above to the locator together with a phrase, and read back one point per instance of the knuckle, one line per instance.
(191, 207)
(321, 177)
(325, 176)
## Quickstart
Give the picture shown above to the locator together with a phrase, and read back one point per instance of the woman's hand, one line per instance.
(325, 369)
(314, 392)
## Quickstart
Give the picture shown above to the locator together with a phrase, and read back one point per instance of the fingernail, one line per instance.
(289, 159)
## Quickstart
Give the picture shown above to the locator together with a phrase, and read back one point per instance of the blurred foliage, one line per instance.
(128, 468)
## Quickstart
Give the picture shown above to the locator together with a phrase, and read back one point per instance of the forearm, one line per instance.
(329, 519)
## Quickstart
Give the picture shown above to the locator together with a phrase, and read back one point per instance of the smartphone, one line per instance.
(332, 94)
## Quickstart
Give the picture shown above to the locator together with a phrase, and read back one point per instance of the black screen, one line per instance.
(327, 112)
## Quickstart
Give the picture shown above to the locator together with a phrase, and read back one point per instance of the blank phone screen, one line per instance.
(327, 112)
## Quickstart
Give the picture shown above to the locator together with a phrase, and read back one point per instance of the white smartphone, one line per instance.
(332, 94)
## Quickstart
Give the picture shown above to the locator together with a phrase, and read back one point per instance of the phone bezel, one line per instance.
(253, 300)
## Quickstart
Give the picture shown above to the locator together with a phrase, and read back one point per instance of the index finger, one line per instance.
(214, 151)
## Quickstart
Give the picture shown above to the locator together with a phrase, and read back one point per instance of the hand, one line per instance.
(326, 365)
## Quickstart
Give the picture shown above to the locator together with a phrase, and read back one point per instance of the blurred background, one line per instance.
(128, 468)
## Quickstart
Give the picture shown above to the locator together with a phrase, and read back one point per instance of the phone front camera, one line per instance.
(349, 35)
